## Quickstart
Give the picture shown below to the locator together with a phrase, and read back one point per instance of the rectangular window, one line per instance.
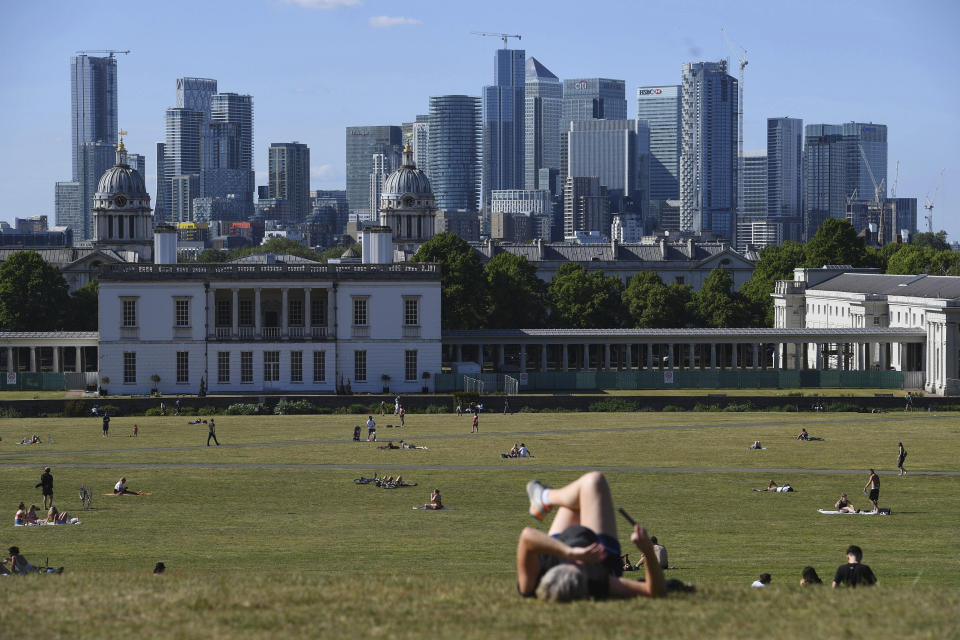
(359, 366)
(183, 366)
(245, 311)
(296, 366)
(319, 366)
(271, 366)
(181, 313)
(318, 311)
(410, 366)
(224, 316)
(295, 317)
(129, 367)
(411, 311)
(130, 313)
(223, 367)
(246, 367)
(360, 311)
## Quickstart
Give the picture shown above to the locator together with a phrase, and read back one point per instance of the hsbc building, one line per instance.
(660, 107)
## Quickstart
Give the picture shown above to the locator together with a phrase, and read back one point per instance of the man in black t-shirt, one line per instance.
(853, 573)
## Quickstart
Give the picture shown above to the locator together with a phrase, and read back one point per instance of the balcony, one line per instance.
(270, 332)
(295, 332)
(360, 331)
(246, 333)
(319, 332)
(224, 333)
(411, 331)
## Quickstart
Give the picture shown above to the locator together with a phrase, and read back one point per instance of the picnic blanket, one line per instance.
(440, 509)
(847, 513)
(43, 523)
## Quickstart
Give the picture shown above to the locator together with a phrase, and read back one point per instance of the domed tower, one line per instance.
(121, 210)
(407, 205)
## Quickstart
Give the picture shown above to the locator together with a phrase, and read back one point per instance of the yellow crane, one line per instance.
(929, 204)
(504, 36)
(741, 54)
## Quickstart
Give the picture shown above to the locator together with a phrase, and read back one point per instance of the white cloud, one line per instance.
(321, 171)
(322, 5)
(385, 22)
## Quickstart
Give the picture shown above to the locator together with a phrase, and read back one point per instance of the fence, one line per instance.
(511, 386)
(684, 379)
(27, 381)
(472, 384)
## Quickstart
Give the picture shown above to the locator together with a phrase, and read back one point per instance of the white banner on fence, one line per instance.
(668, 377)
(11, 377)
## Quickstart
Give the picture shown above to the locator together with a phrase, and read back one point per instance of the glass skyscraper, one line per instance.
(660, 107)
(181, 158)
(503, 123)
(708, 153)
(543, 102)
(615, 152)
(362, 143)
(197, 94)
(74, 200)
(289, 176)
(454, 152)
(785, 176)
(589, 99)
(93, 90)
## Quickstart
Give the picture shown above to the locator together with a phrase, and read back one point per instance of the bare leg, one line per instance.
(588, 500)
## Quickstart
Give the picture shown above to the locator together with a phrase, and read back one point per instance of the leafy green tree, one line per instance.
(516, 297)
(83, 309)
(462, 281)
(638, 298)
(582, 300)
(33, 294)
(911, 259)
(207, 255)
(716, 304)
(936, 241)
(776, 262)
(836, 242)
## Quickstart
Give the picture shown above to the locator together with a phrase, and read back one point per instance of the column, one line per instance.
(649, 356)
(284, 311)
(480, 356)
(713, 355)
(776, 356)
(693, 356)
(307, 315)
(586, 357)
(670, 360)
(543, 358)
(563, 358)
(629, 354)
(459, 352)
(733, 356)
(882, 356)
(756, 355)
(235, 314)
(10, 358)
(606, 356)
(500, 350)
(33, 359)
(56, 359)
(256, 312)
(78, 367)
(523, 358)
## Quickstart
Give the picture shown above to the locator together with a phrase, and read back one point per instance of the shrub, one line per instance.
(706, 407)
(293, 407)
(208, 411)
(243, 409)
(613, 405)
(9, 412)
(737, 408)
(362, 408)
(152, 411)
(672, 408)
(842, 407)
(435, 408)
(465, 398)
(75, 409)
(111, 409)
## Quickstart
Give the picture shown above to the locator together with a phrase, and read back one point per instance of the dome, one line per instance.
(407, 179)
(122, 179)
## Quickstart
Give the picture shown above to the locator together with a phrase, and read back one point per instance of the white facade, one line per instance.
(269, 328)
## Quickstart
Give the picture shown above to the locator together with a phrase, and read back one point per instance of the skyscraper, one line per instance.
(503, 122)
(289, 176)
(197, 94)
(543, 102)
(616, 152)
(181, 158)
(362, 143)
(229, 168)
(589, 99)
(660, 107)
(93, 90)
(785, 176)
(161, 204)
(708, 155)
(754, 202)
(454, 151)
(586, 207)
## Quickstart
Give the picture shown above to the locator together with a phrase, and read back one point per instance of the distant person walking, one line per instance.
(476, 423)
(874, 484)
(106, 424)
(909, 406)
(901, 456)
(212, 433)
(371, 429)
(46, 487)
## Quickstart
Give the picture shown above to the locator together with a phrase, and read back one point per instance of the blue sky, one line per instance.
(314, 67)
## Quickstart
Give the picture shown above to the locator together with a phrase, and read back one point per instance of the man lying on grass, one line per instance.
(579, 558)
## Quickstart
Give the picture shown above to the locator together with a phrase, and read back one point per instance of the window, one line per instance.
(319, 366)
(223, 367)
(271, 366)
(246, 367)
(318, 311)
(183, 366)
(130, 312)
(359, 366)
(410, 366)
(295, 313)
(181, 313)
(360, 311)
(876, 321)
(296, 366)
(129, 367)
(245, 312)
(411, 311)
(224, 316)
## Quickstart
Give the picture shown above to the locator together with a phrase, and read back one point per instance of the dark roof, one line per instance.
(535, 69)
(916, 286)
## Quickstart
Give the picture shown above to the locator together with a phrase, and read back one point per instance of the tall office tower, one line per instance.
(834, 167)
(93, 90)
(454, 152)
(589, 99)
(586, 207)
(289, 176)
(382, 167)
(785, 176)
(708, 154)
(161, 204)
(74, 204)
(754, 202)
(543, 102)
(331, 203)
(181, 158)
(67, 205)
(503, 122)
(617, 153)
(229, 172)
(660, 108)
(362, 143)
(197, 94)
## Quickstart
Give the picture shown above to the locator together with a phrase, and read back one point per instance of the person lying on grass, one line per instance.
(579, 557)
(120, 489)
(58, 517)
(843, 505)
(773, 486)
(18, 565)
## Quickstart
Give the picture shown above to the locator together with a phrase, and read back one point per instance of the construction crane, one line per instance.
(896, 180)
(878, 190)
(741, 54)
(929, 205)
(110, 52)
(504, 36)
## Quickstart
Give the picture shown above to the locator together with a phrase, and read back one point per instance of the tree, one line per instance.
(936, 241)
(33, 294)
(836, 242)
(82, 312)
(462, 282)
(582, 300)
(650, 304)
(717, 304)
(911, 259)
(776, 262)
(516, 297)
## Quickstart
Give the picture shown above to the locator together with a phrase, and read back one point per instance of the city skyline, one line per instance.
(795, 75)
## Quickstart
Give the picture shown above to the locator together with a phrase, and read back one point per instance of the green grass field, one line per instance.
(268, 535)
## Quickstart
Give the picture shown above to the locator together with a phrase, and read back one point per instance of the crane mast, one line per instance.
(929, 204)
(741, 54)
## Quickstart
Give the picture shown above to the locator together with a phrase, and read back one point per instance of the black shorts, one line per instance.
(874, 494)
(901, 459)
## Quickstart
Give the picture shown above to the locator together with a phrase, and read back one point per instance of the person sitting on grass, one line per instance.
(20, 517)
(120, 489)
(31, 516)
(514, 451)
(854, 573)
(756, 445)
(809, 576)
(579, 557)
(843, 505)
(762, 581)
(773, 486)
(436, 502)
(803, 435)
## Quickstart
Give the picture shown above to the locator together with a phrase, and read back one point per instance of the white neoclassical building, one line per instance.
(297, 328)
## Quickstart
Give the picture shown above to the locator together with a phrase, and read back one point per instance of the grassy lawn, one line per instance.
(268, 534)
(31, 395)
